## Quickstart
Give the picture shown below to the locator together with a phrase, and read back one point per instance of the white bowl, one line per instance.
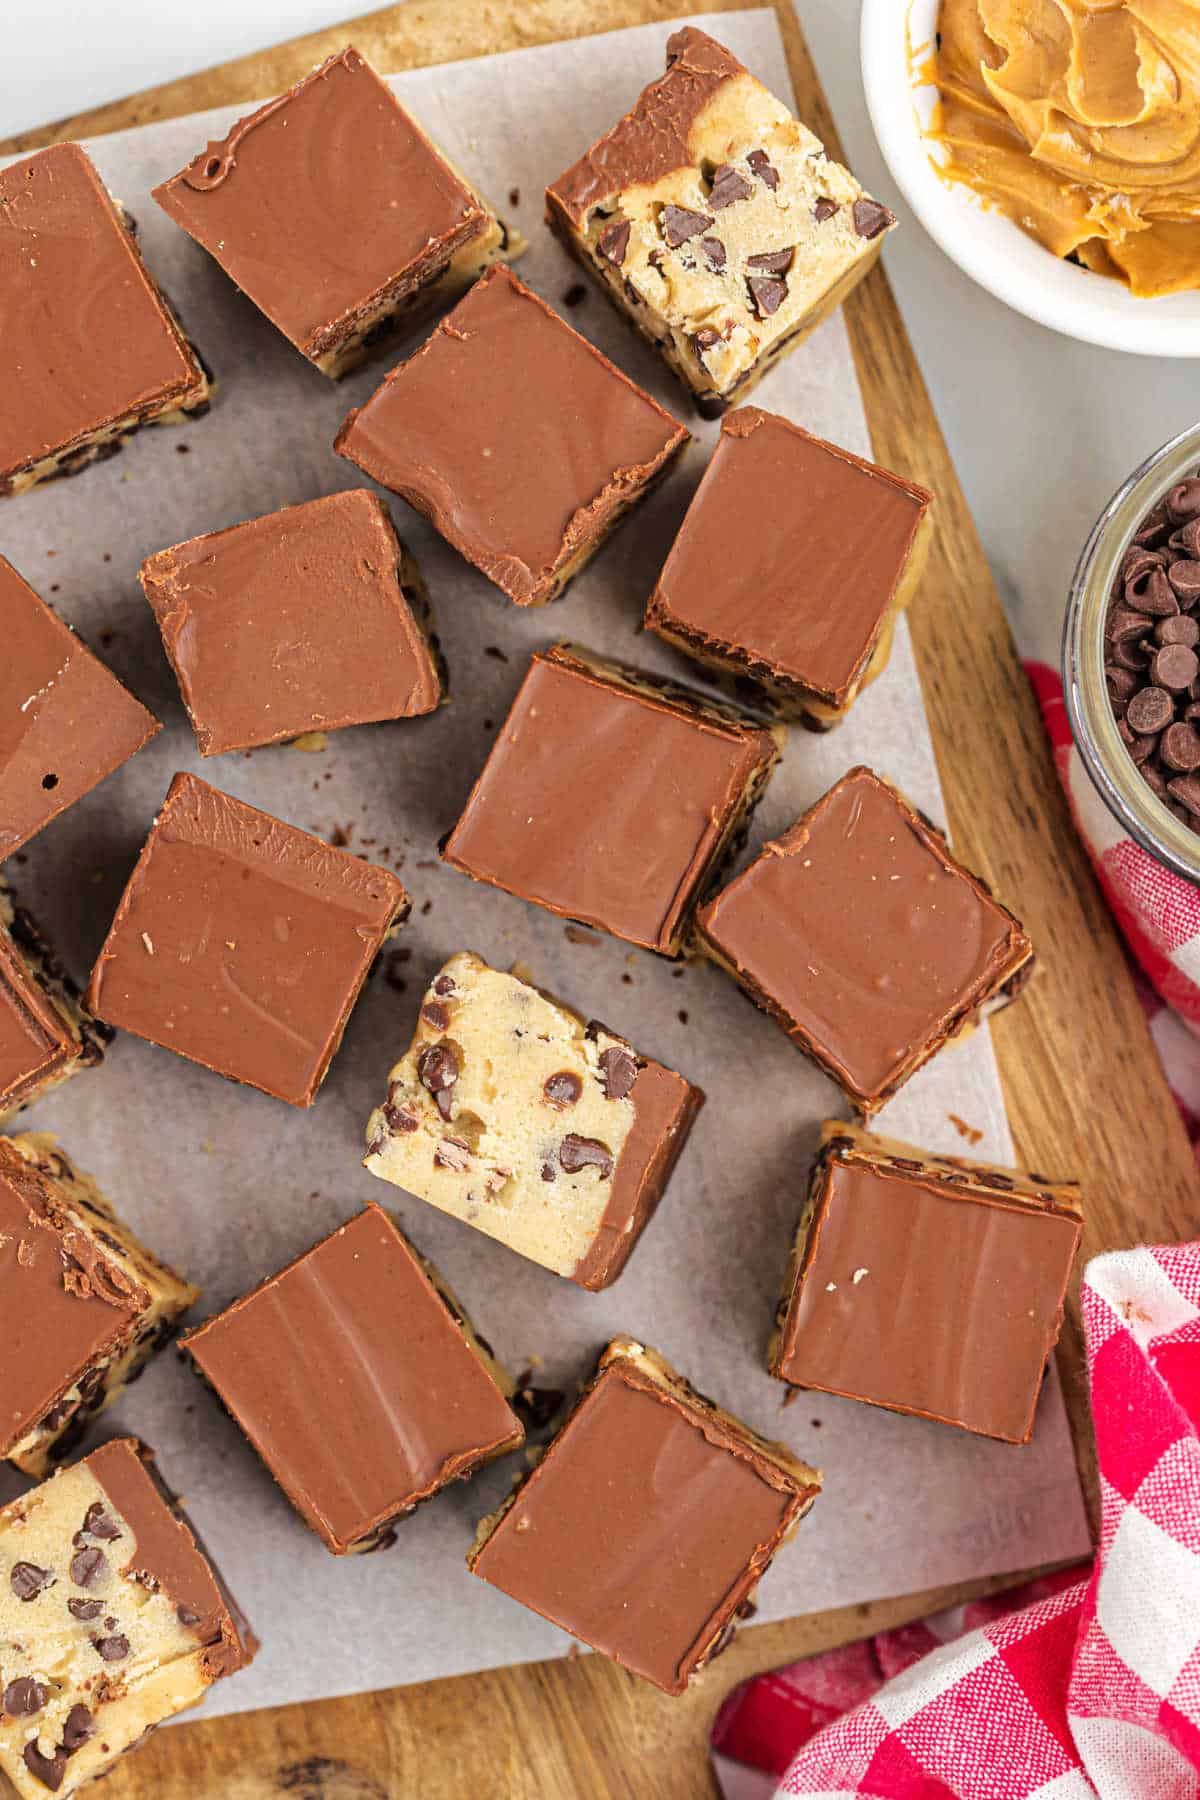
(897, 36)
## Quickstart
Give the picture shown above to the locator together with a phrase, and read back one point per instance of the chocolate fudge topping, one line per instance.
(85, 338)
(523, 484)
(167, 1551)
(859, 932)
(62, 1304)
(290, 623)
(652, 139)
(321, 199)
(791, 553)
(930, 1297)
(353, 1381)
(642, 1528)
(65, 721)
(665, 1109)
(605, 802)
(242, 942)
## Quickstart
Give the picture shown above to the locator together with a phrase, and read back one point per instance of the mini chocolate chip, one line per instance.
(78, 1727)
(1184, 577)
(436, 1015)
(1138, 560)
(437, 1068)
(28, 1581)
(870, 218)
(825, 209)
(49, 1770)
(1153, 777)
(620, 1072)
(1183, 501)
(1149, 710)
(728, 185)
(99, 1523)
(1150, 592)
(563, 1088)
(1124, 625)
(112, 1649)
(678, 224)
(576, 1153)
(1140, 748)
(714, 253)
(1187, 539)
(614, 241)
(85, 1609)
(757, 160)
(24, 1697)
(1121, 684)
(1180, 747)
(1174, 667)
(1179, 630)
(768, 294)
(1131, 655)
(548, 1172)
(773, 262)
(86, 1565)
(1185, 789)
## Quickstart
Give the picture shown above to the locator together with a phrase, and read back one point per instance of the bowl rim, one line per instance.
(988, 247)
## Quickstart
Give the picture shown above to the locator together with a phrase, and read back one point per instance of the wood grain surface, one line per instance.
(1085, 1092)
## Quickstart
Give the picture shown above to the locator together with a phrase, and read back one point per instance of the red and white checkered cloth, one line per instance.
(1084, 1684)
(1092, 1687)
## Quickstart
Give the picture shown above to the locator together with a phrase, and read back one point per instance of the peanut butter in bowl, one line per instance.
(1080, 121)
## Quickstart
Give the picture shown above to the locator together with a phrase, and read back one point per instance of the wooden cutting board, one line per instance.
(1084, 1088)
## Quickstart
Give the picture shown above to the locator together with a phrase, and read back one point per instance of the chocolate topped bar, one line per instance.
(89, 350)
(515, 437)
(335, 213)
(112, 1620)
(509, 1112)
(65, 721)
(358, 1382)
(860, 933)
(46, 1034)
(84, 1303)
(715, 222)
(611, 797)
(302, 620)
(242, 942)
(645, 1527)
(876, 1305)
(791, 566)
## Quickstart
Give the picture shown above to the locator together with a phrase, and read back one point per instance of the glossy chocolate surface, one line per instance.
(242, 942)
(353, 1381)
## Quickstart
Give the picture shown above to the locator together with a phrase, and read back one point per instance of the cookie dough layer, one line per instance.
(84, 1303)
(111, 1621)
(550, 1135)
(715, 221)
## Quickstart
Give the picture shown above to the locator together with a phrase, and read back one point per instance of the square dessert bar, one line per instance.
(334, 212)
(864, 938)
(647, 1523)
(242, 942)
(716, 222)
(510, 1112)
(46, 1033)
(65, 721)
(89, 348)
(926, 1284)
(307, 619)
(360, 1383)
(612, 797)
(791, 566)
(84, 1304)
(525, 476)
(112, 1620)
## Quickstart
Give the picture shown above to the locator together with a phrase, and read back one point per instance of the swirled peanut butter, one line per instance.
(1080, 119)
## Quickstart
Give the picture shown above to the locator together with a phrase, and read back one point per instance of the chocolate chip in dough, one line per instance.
(614, 241)
(28, 1581)
(713, 251)
(85, 1609)
(114, 1648)
(772, 262)
(620, 1072)
(870, 218)
(435, 1014)
(86, 1565)
(576, 1153)
(437, 1068)
(761, 165)
(678, 225)
(24, 1697)
(768, 293)
(49, 1770)
(825, 209)
(78, 1727)
(99, 1523)
(1149, 710)
(562, 1089)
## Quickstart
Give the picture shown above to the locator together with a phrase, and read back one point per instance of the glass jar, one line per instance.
(1111, 768)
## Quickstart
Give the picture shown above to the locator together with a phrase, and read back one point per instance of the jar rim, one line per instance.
(1109, 766)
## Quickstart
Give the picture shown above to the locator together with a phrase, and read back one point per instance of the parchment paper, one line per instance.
(230, 1184)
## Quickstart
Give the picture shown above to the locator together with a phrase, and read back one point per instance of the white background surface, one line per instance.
(1042, 429)
(229, 1184)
